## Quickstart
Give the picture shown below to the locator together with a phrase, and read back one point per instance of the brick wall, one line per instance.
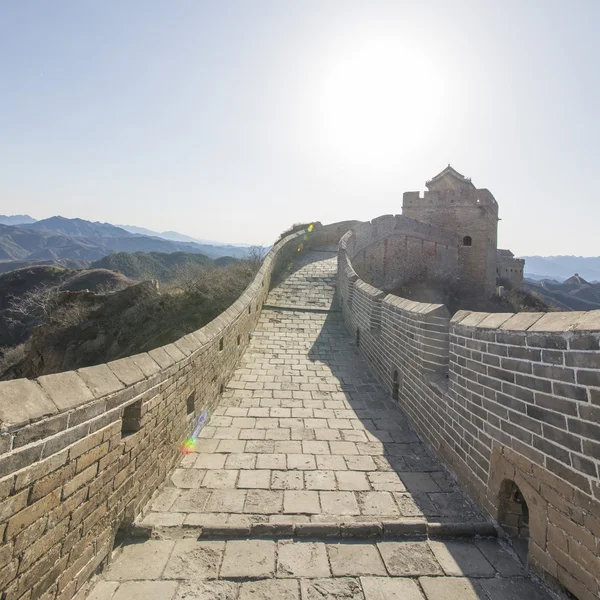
(392, 250)
(502, 399)
(82, 452)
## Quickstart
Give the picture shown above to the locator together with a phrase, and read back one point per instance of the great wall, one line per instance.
(358, 444)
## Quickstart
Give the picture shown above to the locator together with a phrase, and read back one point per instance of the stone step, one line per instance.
(292, 569)
(399, 528)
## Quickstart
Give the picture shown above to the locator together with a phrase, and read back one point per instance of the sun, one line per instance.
(377, 100)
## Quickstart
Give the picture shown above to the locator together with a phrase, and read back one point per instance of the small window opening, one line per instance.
(191, 404)
(249, 336)
(250, 309)
(358, 336)
(513, 516)
(239, 340)
(220, 344)
(221, 389)
(395, 386)
(130, 421)
(467, 241)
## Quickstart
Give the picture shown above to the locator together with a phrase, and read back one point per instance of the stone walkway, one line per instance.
(306, 443)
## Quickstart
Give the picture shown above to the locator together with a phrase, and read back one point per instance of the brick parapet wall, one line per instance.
(500, 397)
(392, 250)
(82, 452)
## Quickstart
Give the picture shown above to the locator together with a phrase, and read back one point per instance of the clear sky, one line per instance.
(231, 120)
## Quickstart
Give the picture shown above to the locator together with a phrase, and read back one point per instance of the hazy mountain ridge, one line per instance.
(175, 236)
(58, 238)
(16, 219)
(562, 267)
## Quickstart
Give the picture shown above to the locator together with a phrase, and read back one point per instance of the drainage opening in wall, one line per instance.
(221, 389)
(513, 516)
(395, 386)
(220, 344)
(191, 404)
(130, 421)
(239, 340)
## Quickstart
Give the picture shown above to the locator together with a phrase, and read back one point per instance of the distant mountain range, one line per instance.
(175, 236)
(15, 219)
(562, 267)
(575, 293)
(55, 239)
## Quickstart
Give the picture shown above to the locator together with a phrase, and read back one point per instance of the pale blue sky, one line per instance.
(232, 120)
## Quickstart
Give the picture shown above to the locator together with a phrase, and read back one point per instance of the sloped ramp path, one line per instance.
(308, 483)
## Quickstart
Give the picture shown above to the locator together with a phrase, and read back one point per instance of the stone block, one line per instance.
(146, 590)
(192, 559)
(386, 588)
(354, 559)
(145, 560)
(126, 371)
(558, 321)
(301, 502)
(409, 559)
(302, 559)
(461, 559)
(335, 588)
(269, 589)
(522, 321)
(248, 559)
(146, 364)
(100, 380)
(21, 401)
(67, 390)
(445, 588)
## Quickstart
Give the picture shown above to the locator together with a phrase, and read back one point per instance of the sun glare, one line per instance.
(377, 100)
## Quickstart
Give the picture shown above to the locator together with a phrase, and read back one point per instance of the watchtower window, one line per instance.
(467, 241)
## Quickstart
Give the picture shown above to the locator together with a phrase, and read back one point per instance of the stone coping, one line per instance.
(538, 322)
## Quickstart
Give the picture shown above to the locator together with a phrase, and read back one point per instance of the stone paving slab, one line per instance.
(314, 569)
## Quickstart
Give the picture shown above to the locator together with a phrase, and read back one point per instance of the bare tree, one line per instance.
(46, 305)
(255, 256)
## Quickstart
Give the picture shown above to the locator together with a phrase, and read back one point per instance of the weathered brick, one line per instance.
(79, 480)
(44, 486)
(30, 514)
(588, 378)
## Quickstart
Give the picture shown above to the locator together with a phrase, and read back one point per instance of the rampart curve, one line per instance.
(82, 452)
(510, 402)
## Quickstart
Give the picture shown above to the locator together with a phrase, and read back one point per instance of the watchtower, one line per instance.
(452, 202)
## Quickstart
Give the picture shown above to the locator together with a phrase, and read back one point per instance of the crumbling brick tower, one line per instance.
(454, 203)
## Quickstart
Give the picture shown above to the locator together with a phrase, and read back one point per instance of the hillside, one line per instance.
(155, 265)
(66, 263)
(65, 320)
(21, 285)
